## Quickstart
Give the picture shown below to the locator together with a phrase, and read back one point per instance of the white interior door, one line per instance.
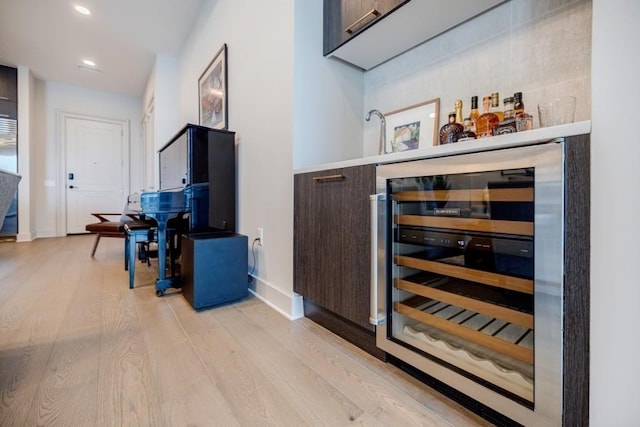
(95, 170)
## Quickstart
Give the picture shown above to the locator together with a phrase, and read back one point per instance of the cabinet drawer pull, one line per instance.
(373, 13)
(4, 98)
(328, 177)
(5, 115)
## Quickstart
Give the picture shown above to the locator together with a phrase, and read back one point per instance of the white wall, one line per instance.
(166, 108)
(328, 96)
(51, 98)
(541, 48)
(615, 203)
(259, 36)
(160, 99)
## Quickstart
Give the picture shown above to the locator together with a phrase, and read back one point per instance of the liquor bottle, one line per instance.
(449, 132)
(518, 105)
(467, 134)
(486, 121)
(495, 105)
(524, 121)
(474, 114)
(508, 124)
(509, 113)
(458, 105)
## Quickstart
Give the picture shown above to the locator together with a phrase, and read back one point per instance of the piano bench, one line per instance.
(107, 228)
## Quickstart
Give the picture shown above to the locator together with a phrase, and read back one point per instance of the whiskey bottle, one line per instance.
(508, 125)
(509, 113)
(474, 114)
(518, 105)
(486, 121)
(449, 132)
(524, 121)
(495, 106)
(467, 134)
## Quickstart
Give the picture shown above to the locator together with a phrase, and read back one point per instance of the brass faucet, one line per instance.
(382, 142)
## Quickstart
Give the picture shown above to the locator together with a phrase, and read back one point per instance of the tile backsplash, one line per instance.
(541, 48)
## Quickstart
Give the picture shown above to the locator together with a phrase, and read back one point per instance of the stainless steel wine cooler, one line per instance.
(468, 274)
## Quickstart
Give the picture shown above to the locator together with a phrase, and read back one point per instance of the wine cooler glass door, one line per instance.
(474, 278)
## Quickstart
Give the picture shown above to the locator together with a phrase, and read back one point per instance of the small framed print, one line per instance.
(212, 92)
(413, 127)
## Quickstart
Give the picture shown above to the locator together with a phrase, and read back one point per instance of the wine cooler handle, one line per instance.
(376, 317)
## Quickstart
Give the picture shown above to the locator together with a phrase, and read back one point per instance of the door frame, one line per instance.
(149, 158)
(61, 120)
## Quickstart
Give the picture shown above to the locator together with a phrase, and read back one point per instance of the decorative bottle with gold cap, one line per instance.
(449, 132)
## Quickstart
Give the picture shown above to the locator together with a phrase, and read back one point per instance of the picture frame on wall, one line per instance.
(413, 127)
(212, 92)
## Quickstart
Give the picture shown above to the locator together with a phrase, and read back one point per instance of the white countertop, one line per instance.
(517, 139)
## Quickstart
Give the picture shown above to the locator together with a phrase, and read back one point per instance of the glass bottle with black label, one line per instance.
(518, 105)
(509, 113)
(474, 114)
(508, 124)
(524, 121)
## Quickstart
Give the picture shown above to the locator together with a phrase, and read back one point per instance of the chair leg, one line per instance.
(95, 245)
(132, 260)
(126, 252)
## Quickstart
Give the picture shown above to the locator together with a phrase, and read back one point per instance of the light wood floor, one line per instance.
(79, 348)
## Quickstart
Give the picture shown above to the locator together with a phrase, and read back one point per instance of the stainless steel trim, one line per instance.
(8, 132)
(8, 125)
(376, 313)
(372, 13)
(549, 219)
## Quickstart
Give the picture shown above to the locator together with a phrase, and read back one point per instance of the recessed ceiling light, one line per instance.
(81, 9)
(88, 65)
(85, 68)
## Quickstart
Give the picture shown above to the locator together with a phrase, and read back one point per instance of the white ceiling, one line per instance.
(121, 36)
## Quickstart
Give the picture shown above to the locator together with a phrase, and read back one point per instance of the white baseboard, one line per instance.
(45, 234)
(288, 305)
(25, 237)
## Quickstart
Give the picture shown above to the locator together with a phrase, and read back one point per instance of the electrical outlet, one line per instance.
(261, 236)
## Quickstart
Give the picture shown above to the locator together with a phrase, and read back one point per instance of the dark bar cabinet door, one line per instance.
(332, 240)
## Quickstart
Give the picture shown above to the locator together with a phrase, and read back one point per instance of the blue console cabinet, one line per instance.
(214, 268)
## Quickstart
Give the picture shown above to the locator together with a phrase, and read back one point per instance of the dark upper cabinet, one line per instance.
(344, 19)
(8, 110)
(8, 92)
(366, 33)
(8, 84)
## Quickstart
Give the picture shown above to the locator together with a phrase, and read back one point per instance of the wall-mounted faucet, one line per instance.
(382, 142)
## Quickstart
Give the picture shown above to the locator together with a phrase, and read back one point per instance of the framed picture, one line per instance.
(413, 127)
(212, 92)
